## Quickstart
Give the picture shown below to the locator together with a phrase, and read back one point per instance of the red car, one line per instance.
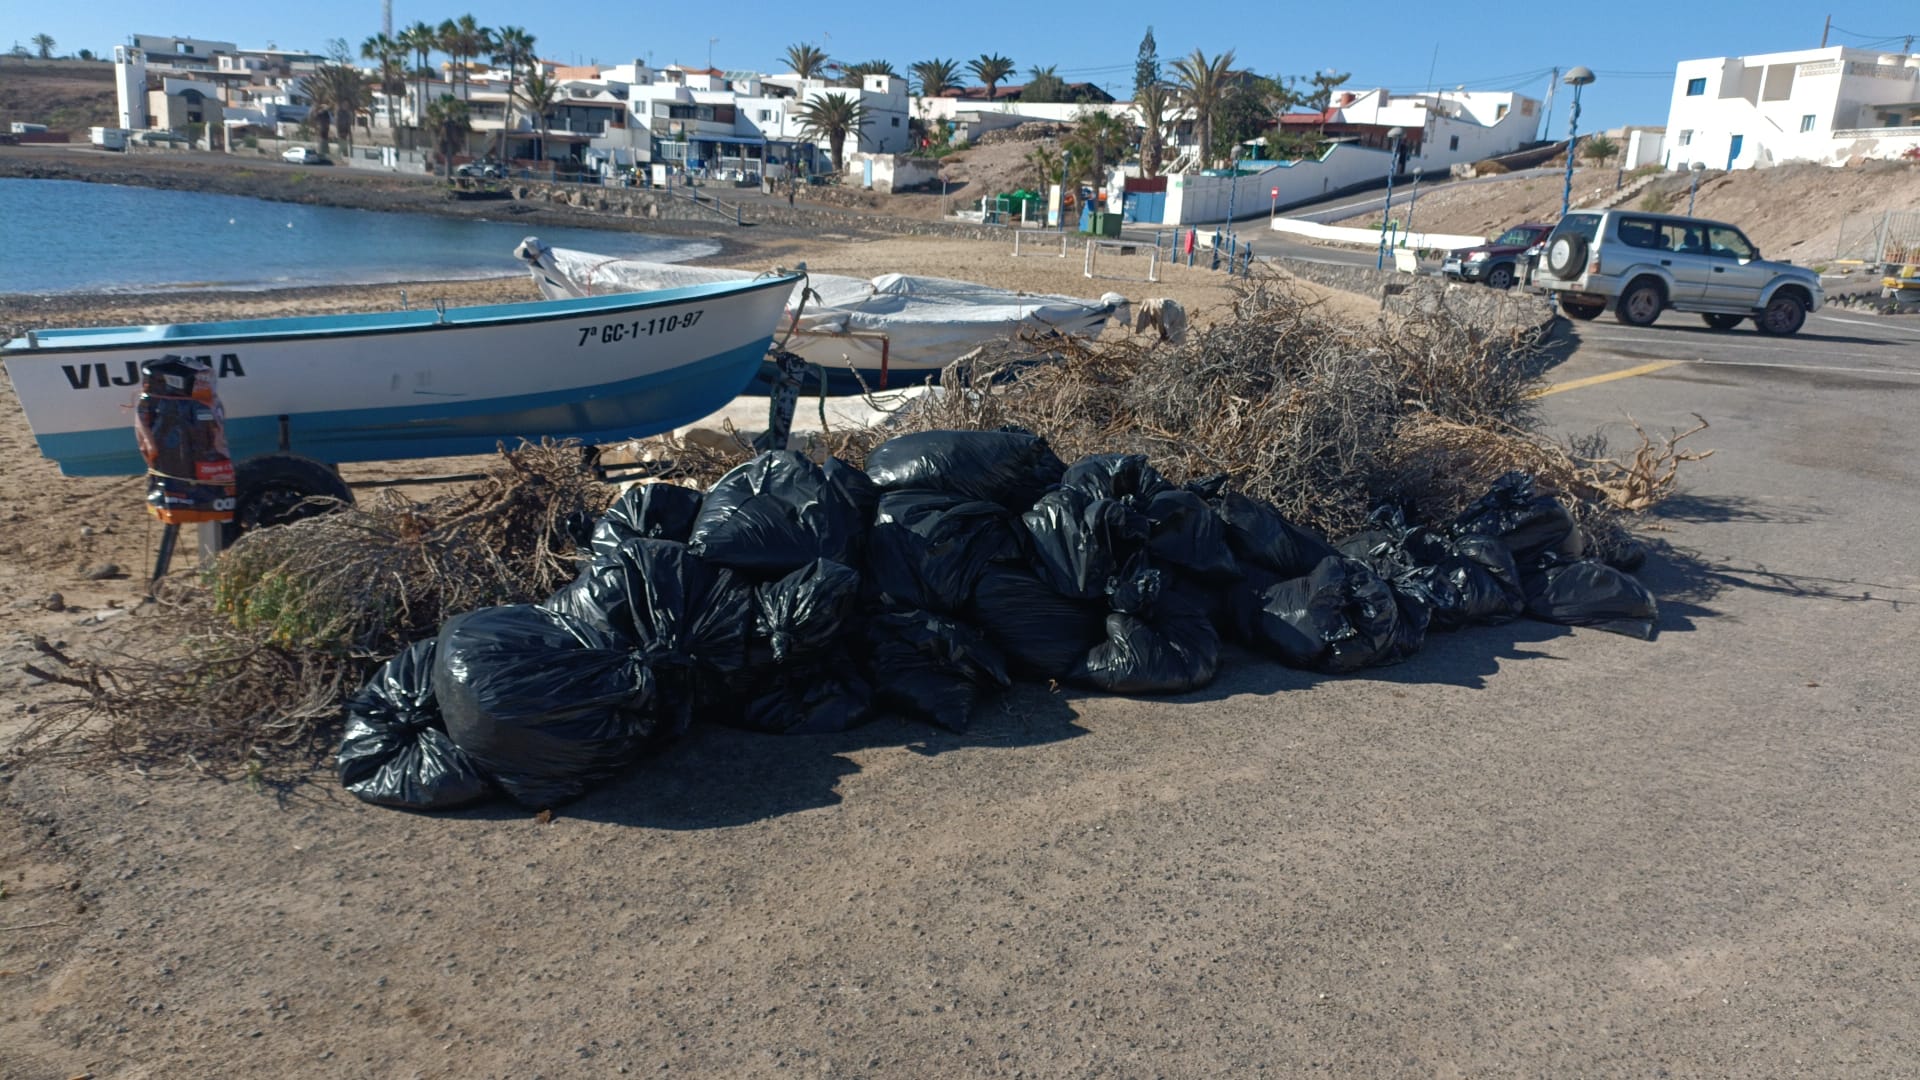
(1496, 262)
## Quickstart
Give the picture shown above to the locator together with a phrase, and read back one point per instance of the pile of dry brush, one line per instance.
(1324, 418)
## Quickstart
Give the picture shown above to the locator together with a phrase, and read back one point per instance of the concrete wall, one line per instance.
(943, 109)
(1192, 197)
(1371, 237)
(1827, 105)
(894, 172)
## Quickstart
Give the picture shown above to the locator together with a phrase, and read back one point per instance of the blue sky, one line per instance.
(1632, 45)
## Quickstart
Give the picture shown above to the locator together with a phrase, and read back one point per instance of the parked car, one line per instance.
(304, 155)
(1639, 265)
(483, 169)
(1496, 262)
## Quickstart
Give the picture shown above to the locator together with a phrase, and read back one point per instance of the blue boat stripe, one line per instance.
(641, 406)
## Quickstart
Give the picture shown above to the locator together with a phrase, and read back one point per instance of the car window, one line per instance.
(1515, 238)
(1641, 233)
(1726, 242)
(1585, 226)
(1686, 239)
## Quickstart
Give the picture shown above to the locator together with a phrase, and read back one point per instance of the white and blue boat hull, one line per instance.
(413, 384)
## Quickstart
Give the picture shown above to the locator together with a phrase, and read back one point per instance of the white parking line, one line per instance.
(1642, 340)
(1865, 322)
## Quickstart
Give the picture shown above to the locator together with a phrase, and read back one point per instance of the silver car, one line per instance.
(1641, 264)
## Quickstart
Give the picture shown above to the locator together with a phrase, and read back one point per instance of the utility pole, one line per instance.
(386, 17)
(1828, 29)
(1546, 122)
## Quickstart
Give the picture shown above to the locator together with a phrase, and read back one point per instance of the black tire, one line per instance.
(1640, 305)
(1567, 256)
(1721, 322)
(1500, 277)
(1584, 310)
(275, 489)
(1783, 316)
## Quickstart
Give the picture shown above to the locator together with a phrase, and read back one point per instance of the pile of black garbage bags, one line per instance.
(793, 598)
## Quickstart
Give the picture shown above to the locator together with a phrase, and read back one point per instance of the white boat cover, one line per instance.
(927, 321)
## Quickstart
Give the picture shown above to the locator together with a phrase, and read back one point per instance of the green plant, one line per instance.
(1656, 202)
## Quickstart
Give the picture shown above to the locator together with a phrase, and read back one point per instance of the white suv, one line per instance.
(1641, 264)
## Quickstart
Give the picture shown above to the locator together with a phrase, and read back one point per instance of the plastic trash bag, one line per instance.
(543, 704)
(779, 512)
(1584, 592)
(1156, 642)
(929, 667)
(1340, 617)
(1011, 468)
(814, 699)
(1260, 537)
(802, 614)
(1079, 542)
(926, 550)
(1457, 579)
(1529, 523)
(396, 751)
(1044, 635)
(647, 512)
(1127, 477)
(604, 595)
(1186, 533)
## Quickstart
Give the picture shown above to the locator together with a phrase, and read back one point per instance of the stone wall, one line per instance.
(652, 204)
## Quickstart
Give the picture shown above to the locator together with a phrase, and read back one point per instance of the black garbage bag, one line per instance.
(929, 667)
(1010, 467)
(1473, 578)
(830, 695)
(396, 751)
(802, 614)
(543, 704)
(1340, 617)
(1260, 537)
(1186, 533)
(779, 512)
(671, 606)
(604, 595)
(1078, 542)
(926, 550)
(1127, 477)
(1156, 643)
(1044, 635)
(647, 512)
(1529, 523)
(1585, 592)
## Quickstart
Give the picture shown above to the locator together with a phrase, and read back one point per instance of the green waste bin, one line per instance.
(1106, 223)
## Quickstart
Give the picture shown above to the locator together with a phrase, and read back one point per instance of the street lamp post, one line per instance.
(1065, 159)
(1696, 168)
(1393, 163)
(1233, 188)
(1577, 78)
(1413, 200)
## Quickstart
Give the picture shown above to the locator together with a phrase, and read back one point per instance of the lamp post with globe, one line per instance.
(1577, 78)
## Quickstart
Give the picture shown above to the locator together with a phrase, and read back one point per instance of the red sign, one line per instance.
(1275, 193)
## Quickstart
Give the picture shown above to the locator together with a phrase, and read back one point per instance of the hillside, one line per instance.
(1793, 211)
(68, 95)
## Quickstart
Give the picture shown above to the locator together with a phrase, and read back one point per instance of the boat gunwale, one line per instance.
(20, 348)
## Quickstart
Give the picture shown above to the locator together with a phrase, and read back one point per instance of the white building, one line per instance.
(1829, 105)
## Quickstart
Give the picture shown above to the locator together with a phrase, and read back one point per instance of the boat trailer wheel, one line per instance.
(277, 489)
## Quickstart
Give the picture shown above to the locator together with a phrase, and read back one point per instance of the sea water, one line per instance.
(63, 236)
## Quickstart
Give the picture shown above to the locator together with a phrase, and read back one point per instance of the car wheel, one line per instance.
(1722, 322)
(1640, 304)
(1582, 309)
(1567, 256)
(1783, 315)
(1500, 277)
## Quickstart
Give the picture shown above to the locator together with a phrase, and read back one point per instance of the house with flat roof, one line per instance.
(1832, 105)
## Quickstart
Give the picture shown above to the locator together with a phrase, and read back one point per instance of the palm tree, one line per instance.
(449, 120)
(422, 40)
(936, 76)
(991, 70)
(1097, 135)
(463, 39)
(339, 91)
(513, 47)
(538, 96)
(832, 117)
(852, 74)
(807, 61)
(391, 57)
(1044, 84)
(44, 44)
(1201, 85)
(1153, 101)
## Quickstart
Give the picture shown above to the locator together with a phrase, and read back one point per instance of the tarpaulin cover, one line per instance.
(542, 703)
(396, 751)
